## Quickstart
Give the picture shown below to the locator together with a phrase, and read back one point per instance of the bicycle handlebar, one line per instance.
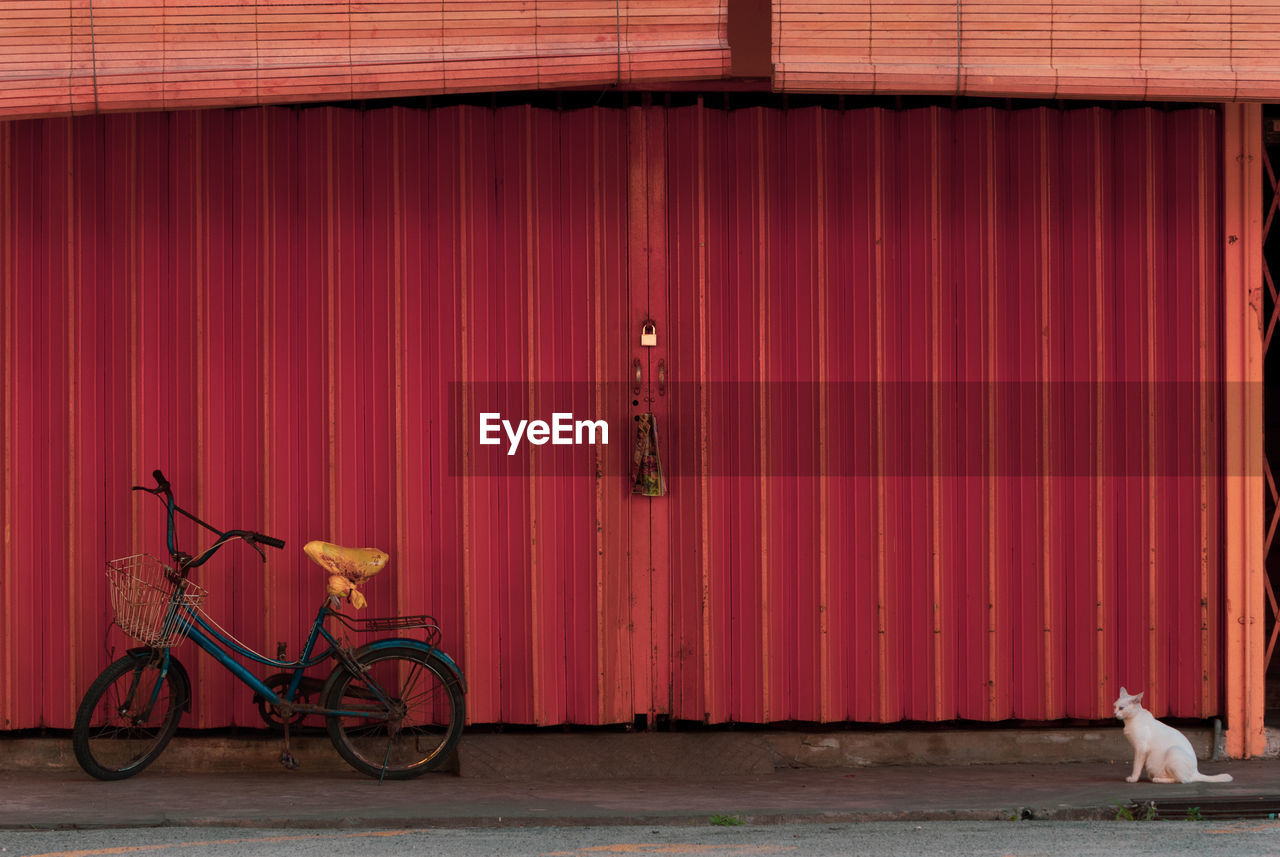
(162, 485)
(260, 538)
(254, 539)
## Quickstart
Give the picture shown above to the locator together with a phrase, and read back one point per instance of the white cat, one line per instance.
(1165, 751)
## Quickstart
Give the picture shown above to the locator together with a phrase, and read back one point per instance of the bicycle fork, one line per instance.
(159, 659)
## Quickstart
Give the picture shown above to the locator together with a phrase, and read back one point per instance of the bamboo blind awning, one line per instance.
(62, 57)
(1166, 50)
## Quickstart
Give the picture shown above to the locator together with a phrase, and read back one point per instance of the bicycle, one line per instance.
(394, 708)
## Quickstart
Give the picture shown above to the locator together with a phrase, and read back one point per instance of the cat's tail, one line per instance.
(1212, 778)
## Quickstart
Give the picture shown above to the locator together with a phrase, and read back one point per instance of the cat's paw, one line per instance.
(1130, 779)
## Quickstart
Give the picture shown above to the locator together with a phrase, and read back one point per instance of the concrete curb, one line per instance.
(1106, 813)
(602, 756)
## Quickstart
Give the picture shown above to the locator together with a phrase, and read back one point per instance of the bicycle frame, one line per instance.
(221, 648)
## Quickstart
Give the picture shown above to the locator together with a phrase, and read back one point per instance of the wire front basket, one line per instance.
(142, 589)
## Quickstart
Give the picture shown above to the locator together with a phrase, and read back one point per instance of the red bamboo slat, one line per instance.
(1212, 51)
(73, 57)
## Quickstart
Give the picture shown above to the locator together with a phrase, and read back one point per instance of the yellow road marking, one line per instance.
(135, 849)
(671, 848)
(1257, 828)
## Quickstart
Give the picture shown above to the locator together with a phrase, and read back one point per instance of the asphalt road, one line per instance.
(886, 839)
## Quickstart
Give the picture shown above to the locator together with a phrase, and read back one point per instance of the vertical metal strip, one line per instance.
(72, 322)
(398, 391)
(1206, 203)
(1242, 438)
(992, 374)
(266, 226)
(1153, 397)
(1156, 694)
(761, 288)
(197, 268)
(8, 216)
(649, 604)
(882, 652)
(331, 210)
(635, 649)
(532, 481)
(1100, 425)
(199, 297)
(1048, 440)
(1235, 370)
(600, 403)
(827, 682)
(938, 561)
(657, 212)
(462, 258)
(711, 702)
(1251, 474)
(133, 270)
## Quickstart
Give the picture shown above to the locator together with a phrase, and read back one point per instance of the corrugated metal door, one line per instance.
(939, 414)
(294, 314)
(948, 444)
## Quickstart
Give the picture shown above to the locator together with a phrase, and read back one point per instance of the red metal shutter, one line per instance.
(996, 335)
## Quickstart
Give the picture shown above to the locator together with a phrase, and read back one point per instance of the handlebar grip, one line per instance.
(269, 542)
(161, 482)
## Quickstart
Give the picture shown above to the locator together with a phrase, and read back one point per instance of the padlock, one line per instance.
(648, 333)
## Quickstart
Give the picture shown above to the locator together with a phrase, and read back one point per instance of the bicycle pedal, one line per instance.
(287, 759)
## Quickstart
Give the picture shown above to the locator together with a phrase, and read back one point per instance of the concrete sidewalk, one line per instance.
(327, 799)
(642, 755)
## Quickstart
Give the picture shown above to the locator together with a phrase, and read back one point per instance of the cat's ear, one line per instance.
(1138, 695)
(1123, 692)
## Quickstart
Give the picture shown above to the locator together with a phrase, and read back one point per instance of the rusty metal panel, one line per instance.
(934, 381)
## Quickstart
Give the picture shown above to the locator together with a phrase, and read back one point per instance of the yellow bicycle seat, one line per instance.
(347, 568)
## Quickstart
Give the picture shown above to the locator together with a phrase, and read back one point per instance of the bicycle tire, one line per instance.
(420, 740)
(109, 744)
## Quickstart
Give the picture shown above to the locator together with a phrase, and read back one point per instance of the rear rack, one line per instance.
(391, 623)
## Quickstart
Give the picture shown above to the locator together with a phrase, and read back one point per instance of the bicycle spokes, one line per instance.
(416, 725)
(127, 716)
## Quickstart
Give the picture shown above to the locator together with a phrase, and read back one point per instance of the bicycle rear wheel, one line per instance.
(128, 715)
(420, 730)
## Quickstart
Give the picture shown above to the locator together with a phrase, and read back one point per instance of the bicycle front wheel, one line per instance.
(129, 714)
(414, 731)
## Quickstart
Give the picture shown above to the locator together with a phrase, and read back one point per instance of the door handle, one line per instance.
(662, 377)
(637, 380)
